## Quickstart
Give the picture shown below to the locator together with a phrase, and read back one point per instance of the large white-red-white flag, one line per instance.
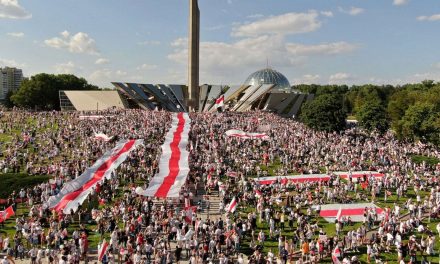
(232, 206)
(75, 192)
(246, 135)
(331, 212)
(220, 102)
(173, 164)
(6, 214)
(102, 250)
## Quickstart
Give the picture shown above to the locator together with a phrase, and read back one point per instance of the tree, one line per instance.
(41, 91)
(421, 122)
(325, 113)
(8, 102)
(372, 115)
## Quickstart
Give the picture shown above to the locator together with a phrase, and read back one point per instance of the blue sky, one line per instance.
(319, 41)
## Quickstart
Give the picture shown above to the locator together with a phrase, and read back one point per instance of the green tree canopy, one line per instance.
(325, 113)
(421, 122)
(41, 91)
(372, 115)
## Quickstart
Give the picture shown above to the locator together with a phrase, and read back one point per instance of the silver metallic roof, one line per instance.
(268, 76)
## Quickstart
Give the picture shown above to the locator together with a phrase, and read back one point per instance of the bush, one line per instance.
(10, 182)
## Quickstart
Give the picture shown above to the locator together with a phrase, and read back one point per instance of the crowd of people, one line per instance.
(148, 230)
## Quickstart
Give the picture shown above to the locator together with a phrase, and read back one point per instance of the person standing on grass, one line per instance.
(305, 250)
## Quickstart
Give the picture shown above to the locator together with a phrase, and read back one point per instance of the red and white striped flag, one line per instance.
(197, 225)
(220, 102)
(75, 192)
(258, 193)
(6, 214)
(187, 203)
(189, 211)
(339, 214)
(173, 163)
(232, 174)
(232, 206)
(102, 136)
(335, 255)
(209, 178)
(102, 250)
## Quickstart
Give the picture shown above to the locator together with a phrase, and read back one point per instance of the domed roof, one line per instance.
(268, 76)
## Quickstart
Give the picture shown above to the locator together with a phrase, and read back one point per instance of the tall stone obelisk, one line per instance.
(193, 55)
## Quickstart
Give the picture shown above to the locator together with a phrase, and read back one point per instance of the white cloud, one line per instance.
(327, 13)
(147, 67)
(101, 61)
(341, 78)
(11, 63)
(237, 58)
(435, 17)
(149, 42)
(246, 52)
(78, 43)
(12, 9)
(103, 77)
(180, 42)
(255, 16)
(321, 49)
(290, 23)
(353, 11)
(308, 79)
(16, 34)
(400, 2)
(437, 65)
(66, 68)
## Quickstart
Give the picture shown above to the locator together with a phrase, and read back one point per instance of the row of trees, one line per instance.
(41, 91)
(412, 111)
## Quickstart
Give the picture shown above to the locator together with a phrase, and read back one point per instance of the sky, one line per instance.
(319, 41)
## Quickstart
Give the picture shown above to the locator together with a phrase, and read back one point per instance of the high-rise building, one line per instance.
(10, 80)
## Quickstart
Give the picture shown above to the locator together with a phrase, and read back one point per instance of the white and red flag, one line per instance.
(189, 212)
(220, 102)
(339, 214)
(258, 193)
(102, 250)
(103, 137)
(336, 253)
(197, 225)
(246, 135)
(173, 164)
(232, 174)
(232, 206)
(355, 211)
(75, 192)
(187, 203)
(6, 214)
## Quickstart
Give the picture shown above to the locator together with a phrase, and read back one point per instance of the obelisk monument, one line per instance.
(193, 56)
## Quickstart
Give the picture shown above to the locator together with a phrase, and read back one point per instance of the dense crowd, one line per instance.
(145, 230)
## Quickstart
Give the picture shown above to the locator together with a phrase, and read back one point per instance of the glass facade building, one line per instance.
(269, 76)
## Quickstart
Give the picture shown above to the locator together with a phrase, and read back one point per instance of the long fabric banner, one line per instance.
(355, 211)
(76, 191)
(246, 135)
(173, 164)
(317, 177)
